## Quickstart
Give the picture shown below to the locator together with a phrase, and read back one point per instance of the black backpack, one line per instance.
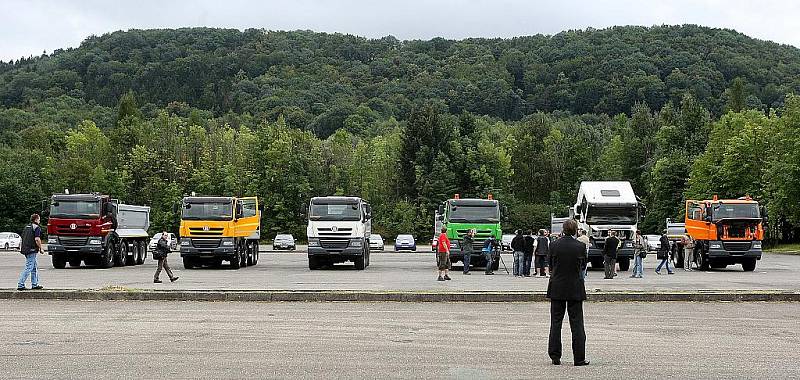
(28, 242)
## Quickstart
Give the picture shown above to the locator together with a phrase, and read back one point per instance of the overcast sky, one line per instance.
(32, 26)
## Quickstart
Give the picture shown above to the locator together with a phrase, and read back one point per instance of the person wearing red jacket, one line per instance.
(443, 256)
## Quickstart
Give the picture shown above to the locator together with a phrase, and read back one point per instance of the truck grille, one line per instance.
(205, 243)
(737, 246)
(217, 231)
(340, 232)
(66, 230)
(72, 241)
(334, 244)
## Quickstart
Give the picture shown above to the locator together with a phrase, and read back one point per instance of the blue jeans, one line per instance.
(664, 261)
(526, 270)
(31, 269)
(637, 265)
(519, 263)
(467, 256)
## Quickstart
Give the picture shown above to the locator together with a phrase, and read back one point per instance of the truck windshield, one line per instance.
(475, 214)
(735, 211)
(75, 209)
(611, 215)
(335, 211)
(207, 211)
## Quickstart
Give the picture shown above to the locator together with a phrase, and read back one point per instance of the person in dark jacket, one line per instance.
(31, 246)
(541, 252)
(663, 253)
(466, 248)
(529, 239)
(610, 254)
(518, 246)
(566, 292)
(162, 250)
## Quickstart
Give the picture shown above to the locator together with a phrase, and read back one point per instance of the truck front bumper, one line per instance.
(717, 251)
(214, 248)
(76, 250)
(331, 249)
(622, 253)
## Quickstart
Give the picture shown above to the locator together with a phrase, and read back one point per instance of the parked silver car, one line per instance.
(173, 242)
(284, 241)
(376, 242)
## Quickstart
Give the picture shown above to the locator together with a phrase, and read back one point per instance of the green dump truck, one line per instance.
(462, 215)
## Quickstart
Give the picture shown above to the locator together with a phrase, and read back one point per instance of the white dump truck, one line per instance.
(338, 231)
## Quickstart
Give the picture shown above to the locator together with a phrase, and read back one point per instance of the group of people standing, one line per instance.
(525, 248)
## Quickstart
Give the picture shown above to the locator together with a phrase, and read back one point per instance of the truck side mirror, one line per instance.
(239, 210)
(441, 209)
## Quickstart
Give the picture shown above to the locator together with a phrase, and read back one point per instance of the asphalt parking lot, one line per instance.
(406, 271)
(354, 340)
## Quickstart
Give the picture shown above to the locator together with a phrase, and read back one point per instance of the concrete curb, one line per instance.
(389, 296)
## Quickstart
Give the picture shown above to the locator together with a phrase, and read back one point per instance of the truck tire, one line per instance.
(120, 254)
(256, 248)
(75, 263)
(107, 258)
(368, 253)
(702, 262)
(313, 263)
(188, 263)
(597, 262)
(679, 259)
(360, 262)
(624, 265)
(749, 265)
(243, 252)
(59, 262)
(141, 253)
(249, 253)
(236, 260)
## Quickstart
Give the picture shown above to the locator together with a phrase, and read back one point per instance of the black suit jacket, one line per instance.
(567, 257)
(611, 247)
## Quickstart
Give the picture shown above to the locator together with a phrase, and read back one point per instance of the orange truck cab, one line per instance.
(726, 232)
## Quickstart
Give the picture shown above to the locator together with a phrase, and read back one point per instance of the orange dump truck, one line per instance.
(726, 232)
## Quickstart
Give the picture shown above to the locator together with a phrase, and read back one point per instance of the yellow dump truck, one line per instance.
(217, 229)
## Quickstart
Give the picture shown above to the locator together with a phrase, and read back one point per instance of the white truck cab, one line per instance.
(604, 206)
(338, 231)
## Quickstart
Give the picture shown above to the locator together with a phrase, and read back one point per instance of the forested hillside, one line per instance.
(149, 115)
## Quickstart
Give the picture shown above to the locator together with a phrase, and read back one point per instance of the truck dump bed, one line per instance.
(133, 221)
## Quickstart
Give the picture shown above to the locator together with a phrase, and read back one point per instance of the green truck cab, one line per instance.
(462, 215)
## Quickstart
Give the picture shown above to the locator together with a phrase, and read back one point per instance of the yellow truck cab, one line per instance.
(216, 229)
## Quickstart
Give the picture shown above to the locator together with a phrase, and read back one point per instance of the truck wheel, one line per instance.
(749, 265)
(59, 262)
(249, 253)
(75, 263)
(313, 263)
(141, 253)
(236, 260)
(107, 258)
(243, 254)
(624, 265)
(188, 263)
(359, 262)
(597, 262)
(702, 262)
(496, 264)
(255, 252)
(121, 254)
(679, 259)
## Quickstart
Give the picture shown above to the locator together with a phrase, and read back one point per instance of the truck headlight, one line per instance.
(94, 241)
(715, 246)
(757, 245)
(52, 240)
(186, 242)
(628, 245)
(227, 242)
(356, 243)
(313, 242)
(453, 244)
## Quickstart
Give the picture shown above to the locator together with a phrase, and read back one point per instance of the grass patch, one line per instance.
(793, 249)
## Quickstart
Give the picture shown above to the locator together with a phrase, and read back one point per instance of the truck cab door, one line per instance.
(248, 218)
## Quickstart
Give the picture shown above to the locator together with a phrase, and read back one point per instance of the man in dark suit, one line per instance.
(610, 254)
(566, 292)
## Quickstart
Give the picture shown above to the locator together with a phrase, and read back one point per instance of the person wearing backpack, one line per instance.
(31, 246)
(161, 253)
(663, 254)
(541, 252)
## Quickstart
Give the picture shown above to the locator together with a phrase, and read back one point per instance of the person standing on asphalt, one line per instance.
(466, 248)
(488, 253)
(161, 253)
(663, 253)
(640, 251)
(443, 256)
(583, 238)
(610, 254)
(567, 292)
(31, 246)
(541, 253)
(688, 254)
(529, 244)
(518, 246)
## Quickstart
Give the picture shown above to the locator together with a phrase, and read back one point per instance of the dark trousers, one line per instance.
(541, 263)
(575, 310)
(467, 256)
(162, 264)
(610, 265)
(527, 267)
(489, 260)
